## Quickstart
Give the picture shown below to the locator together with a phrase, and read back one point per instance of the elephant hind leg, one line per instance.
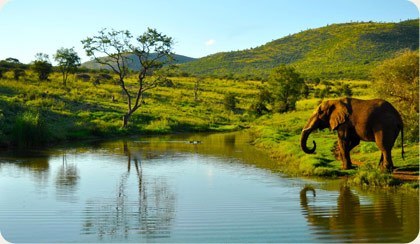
(385, 142)
(386, 163)
(381, 161)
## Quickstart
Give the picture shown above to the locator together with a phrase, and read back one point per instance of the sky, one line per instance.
(198, 27)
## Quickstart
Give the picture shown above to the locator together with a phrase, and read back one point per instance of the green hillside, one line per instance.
(134, 64)
(336, 51)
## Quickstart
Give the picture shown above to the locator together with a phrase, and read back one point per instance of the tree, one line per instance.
(259, 106)
(197, 88)
(230, 101)
(397, 79)
(305, 90)
(286, 86)
(68, 61)
(17, 73)
(152, 50)
(12, 64)
(42, 66)
(345, 90)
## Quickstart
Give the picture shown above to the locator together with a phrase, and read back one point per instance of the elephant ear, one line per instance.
(339, 115)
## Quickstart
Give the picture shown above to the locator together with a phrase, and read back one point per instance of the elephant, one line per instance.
(354, 120)
(353, 219)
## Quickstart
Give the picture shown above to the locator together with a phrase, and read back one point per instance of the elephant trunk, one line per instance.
(303, 139)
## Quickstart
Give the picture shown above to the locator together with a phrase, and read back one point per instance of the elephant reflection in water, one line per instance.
(354, 222)
(149, 215)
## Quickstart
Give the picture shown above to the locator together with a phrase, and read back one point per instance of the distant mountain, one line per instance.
(335, 51)
(135, 64)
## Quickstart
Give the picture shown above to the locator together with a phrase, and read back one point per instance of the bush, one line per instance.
(397, 79)
(230, 101)
(29, 130)
(369, 175)
(83, 77)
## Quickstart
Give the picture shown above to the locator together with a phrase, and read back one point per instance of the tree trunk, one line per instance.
(126, 117)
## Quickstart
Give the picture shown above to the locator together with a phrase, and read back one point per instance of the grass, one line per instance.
(33, 113)
(83, 109)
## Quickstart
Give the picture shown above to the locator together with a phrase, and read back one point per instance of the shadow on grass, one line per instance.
(323, 162)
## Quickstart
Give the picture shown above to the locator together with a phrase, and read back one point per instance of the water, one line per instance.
(165, 189)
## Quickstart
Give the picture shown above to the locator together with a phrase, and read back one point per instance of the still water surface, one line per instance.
(165, 189)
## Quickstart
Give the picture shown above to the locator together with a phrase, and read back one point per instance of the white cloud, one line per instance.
(210, 42)
(2, 3)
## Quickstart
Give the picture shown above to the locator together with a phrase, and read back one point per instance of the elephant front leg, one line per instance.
(345, 148)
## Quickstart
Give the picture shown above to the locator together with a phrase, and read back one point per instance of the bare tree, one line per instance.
(152, 50)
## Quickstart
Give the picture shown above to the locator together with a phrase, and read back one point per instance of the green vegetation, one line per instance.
(42, 66)
(35, 108)
(94, 107)
(333, 52)
(68, 61)
(286, 87)
(397, 80)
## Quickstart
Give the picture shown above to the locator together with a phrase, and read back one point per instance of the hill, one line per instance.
(135, 64)
(336, 51)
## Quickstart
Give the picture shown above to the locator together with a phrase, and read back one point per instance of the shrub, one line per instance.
(83, 77)
(397, 79)
(29, 130)
(369, 175)
(230, 101)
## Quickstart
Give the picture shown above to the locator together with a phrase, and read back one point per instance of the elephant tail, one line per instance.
(402, 142)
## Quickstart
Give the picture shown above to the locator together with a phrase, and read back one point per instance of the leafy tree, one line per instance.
(42, 66)
(397, 79)
(259, 107)
(286, 86)
(4, 67)
(68, 61)
(230, 101)
(152, 49)
(17, 73)
(305, 90)
(13, 61)
(345, 90)
(325, 92)
(12, 64)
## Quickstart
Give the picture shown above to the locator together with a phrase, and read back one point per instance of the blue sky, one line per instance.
(199, 27)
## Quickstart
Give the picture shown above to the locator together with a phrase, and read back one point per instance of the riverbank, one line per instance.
(34, 113)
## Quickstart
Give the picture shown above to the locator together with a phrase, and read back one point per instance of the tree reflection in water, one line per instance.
(66, 181)
(144, 212)
(352, 221)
